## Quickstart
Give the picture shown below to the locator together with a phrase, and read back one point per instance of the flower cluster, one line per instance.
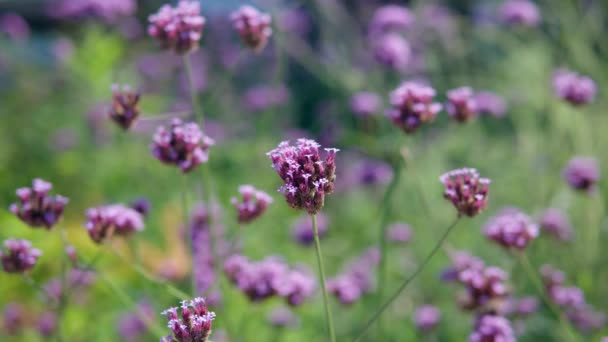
(556, 223)
(178, 28)
(390, 18)
(461, 261)
(490, 103)
(307, 178)
(491, 328)
(392, 51)
(365, 104)
(427, 317)
(582, 173)
(252, 205)
(19, 256)
(303, 231)
(574, 88)
(511, 228)
(520, 12)
(269, 277)
(105, 221)
(461, 105)
(252, 26)
(125, 106)
(466, 190)
(356, 281)
(36, 207)
(399, 232)
(412, 105)
(182, 144)
(194, 324)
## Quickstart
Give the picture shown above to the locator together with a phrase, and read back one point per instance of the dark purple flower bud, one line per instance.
(392, 51)
(252, 205)
(365, 104)
(194, 325)
(574, 88)
(399, 232)
(490, 104)
(125, 106)
(13, 319)
(461, 104)
(412, 106)
(556, 223)
(427, 317)
(582, 173)
(490, 328)
(19, 256)
(283, 317)
(184, 145)
(264, 97)
(466, 190)
(344, 288)
(307, 178)
(303, 232)
(511, 228)
(519, 12)
(36, 207)
(252, 26)
(105, 221)
(390, 18)
(141, 205)
(46, 324)
(178, 28)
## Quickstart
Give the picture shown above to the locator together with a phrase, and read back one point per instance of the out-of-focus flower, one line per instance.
(18, 256)
(307, 178)
(252, 205)
(283, 317)
(125, 107)
(13, 319)
(412, 106)
(399, 232)
(586, 319)
(556, 223)
(178, 28)
(264, 97)
(461, 261)
(131, 326)
(566, 297)
(511, 228)
(252, 26)
(486, 289)
(356, 281)
(294, 21)
(490, 103)
(574, 88)
(427, 317)
(105, 221)
(141, 205)
(46, 324)
(296, 285)
(14, 26)
(184, 145)
(365, 104)
(36, 207)
(107, 10)
(582, 173)
(392, 51)
(519, 12)
(491, 328)
(303, 232)
(193, 325)
(390, 18)
(466, 190)
(62, 49)
(461, 104)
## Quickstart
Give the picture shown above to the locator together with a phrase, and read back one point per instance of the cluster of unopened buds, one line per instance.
(125, 106)
(116, 219)
(582, 173)
(252, 205)
(36, 207)
(573, 88)
(412, 106)
(252, 26)
(193, 325)
(467, 191)
(178, 28)
(511, 228)
(461, 105)
(18, 256)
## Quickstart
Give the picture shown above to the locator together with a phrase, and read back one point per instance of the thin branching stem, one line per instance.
(198, 113)
(330, 323)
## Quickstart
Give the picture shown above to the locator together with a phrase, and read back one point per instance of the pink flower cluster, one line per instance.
(252, 205)
(116, 219)
(36, 207)
(194, 323)
(466, 190)
(125, 108)
(492, 328)
(19, 256)
(556, 223)
(511, 228)
(182, 144)
(252, 26)
(582, 173)
(574, 88)
(349, 286)
(427, 317)
(178, 28)
(461, 105)
(412, 105)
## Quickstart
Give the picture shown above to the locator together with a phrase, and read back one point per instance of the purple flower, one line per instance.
(490, 328)
(131, 326)
(46, 324)
(412, 106)
(371, 172)
(392, 51)
(556, 223)
(356, 281)
(125, 107)
(283, 317)
(19, 256)
(252, 26)
(108, 10)
(264, 97)
(390, 18)
(178, 28)
(566, 297)
(105, 221)
(466, 190)
(203, 271)
(365, 104)
(184, 145)
(307, 178)
(194, 324)
(399, 232)
(486, 288)
(252, 205)
(296, 285)
(574, 88)
(490, 104)
(36, 207)
(511, 228)
(303, 232)
(582, 173)
(461, 104)
(13, 318)
(461, 261)
(14, 26)
(586, 320)
(519, 12)
(427, 317)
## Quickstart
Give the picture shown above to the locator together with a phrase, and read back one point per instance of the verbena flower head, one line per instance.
(520, 12)
(562, 295)
(365, 104)
(116, 219)
(252, 205)
(574, 88)
(521, 307)
(36, 207)
(125, 106)
(18, 256)
(511, 228)
(392, 51)
(491, 328)
(461, 104)
(141, 205)
(193, 324)
(461, 261)
(466, 190)
(390, 18)
(556, 223)
(486, 288)
(412, 105)
(582, 173)
(490, 104)
(356, 281)
(296, 285)
(399, 232)
(178, 28)
(303, 231)
(252, 26)
(307, 178)
(427, 317)
(182, 144)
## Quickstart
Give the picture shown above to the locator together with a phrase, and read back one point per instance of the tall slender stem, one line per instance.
(63, 295)
(198, 113)
(330, 323)
(408, 280)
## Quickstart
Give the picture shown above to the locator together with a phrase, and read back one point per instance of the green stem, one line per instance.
(330, 323)
(407, 281)
(63, 295)
(198, 113)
